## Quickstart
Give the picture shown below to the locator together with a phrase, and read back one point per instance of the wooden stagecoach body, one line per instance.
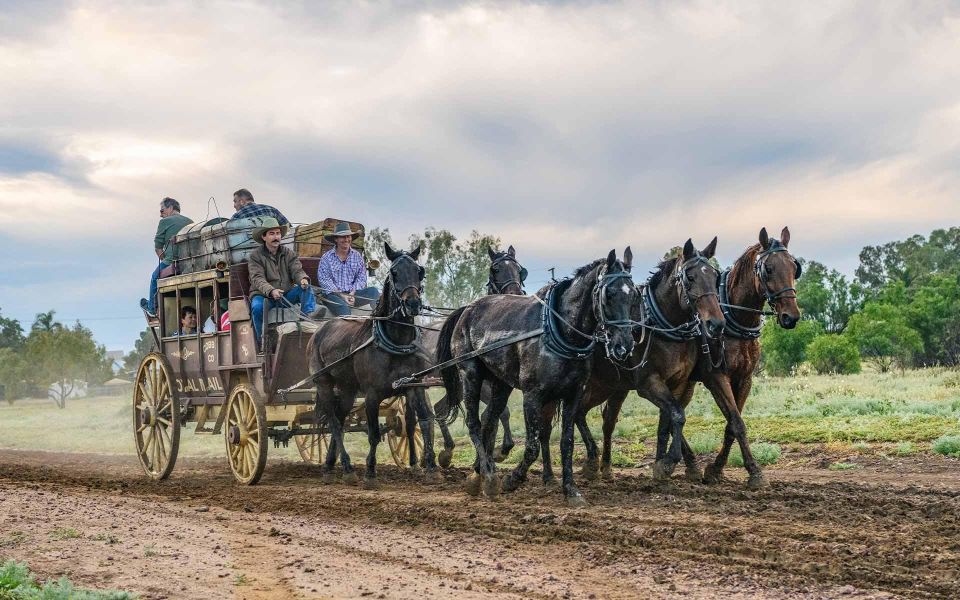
(222, 384)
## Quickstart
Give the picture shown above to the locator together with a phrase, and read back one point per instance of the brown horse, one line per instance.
(764, 273)
(680, 300)
(353, 357)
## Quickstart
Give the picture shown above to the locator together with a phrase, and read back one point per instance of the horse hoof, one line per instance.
(474, 483)
(606, 473)
(694, 474)
(712, 475)
(445, 458)
(501, 454)
(415, 470)
(491, 486)
(551, 482)
(511, 483)
(370, 483)
(432, 476)
(327, 477)
(662, 470)
(757, 482)
(588, 474)
(576, 501)
(350, 478)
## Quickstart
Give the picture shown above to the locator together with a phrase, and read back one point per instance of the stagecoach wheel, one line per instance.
(245, 433)
(399, 445)
(312, 447)
(156, 417)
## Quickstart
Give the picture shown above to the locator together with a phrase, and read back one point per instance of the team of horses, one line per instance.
(583, 342)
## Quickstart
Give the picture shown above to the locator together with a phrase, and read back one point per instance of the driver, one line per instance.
(342, 273)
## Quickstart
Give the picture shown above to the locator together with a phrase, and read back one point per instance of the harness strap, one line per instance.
(732, 326)
(472, 354)
(313, 377)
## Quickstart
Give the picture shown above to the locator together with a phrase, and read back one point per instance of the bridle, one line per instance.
(604, 324)
(398, 295)
(759, 267)
(686, 297)
(494, 288)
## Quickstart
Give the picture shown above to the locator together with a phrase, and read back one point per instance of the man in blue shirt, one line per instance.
(245, 206)
(342, 274)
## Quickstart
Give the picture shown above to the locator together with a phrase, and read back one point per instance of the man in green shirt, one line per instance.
(171, 222)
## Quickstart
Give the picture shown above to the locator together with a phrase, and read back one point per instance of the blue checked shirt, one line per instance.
(336, 275)
(260, 210)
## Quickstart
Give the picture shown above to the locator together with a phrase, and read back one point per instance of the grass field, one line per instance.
(905, 413)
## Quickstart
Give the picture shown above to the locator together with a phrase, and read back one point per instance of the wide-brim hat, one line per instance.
(268, 224)
(341, 230)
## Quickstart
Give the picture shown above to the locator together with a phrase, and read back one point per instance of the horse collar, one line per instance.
(732, 326)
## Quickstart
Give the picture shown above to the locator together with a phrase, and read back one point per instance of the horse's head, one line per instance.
(777, 271)
(614, 298)
(506, 274)
(697, 281)
(405, 280)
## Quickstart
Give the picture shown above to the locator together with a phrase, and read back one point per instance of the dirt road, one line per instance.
(883, 531)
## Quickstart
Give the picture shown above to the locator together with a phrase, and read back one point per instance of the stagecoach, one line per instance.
(222, 382)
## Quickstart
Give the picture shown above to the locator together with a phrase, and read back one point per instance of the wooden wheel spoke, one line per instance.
(166, 422)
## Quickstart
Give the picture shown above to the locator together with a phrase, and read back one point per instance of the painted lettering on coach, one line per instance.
(186, 385)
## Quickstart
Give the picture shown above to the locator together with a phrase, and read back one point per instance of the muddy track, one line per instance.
(872, 534)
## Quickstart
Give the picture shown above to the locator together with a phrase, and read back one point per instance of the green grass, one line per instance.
(905, 449)
(948, 445)
(65, 533)
(842, 466)
(18, 583)
(763, 453)
(703, 442)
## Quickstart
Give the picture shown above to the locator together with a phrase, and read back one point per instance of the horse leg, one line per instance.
(591, 464)
(693, 472)
(611, 414)
(471, 380)
(532, 418)
(343, 408)
(671, 417)
(499, 393)
(547, 415)
(508, 442)
(371, 406)
(568, 417)
(730, 404)
(446, 455)
(418, 397)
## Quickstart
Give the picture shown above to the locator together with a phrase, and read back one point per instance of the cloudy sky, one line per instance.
(566, 128)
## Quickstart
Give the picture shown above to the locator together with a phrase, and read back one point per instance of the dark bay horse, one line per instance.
(765, 273)
(552, 363)
(506, 277)
(366, 357)
(680, 295)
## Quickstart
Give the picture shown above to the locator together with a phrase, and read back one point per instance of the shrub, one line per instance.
(948, 445)
(783, 349)
(833, 354)
(703, 442)
(905, 449)
(763, 453)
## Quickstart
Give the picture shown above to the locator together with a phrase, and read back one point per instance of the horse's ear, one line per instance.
(512, 252)
(785, 237)
(491, 253)
(611, 259)
(711, 249)
(628, 259)
(415, 253)
(689, 250)
(764, 238)
(390, 252)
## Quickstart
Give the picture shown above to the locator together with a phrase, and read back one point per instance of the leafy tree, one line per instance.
(61, 356)
(11, 333)
(677, 251)
(784, 349)
(909, 261)
(13, 375)
(883, 335)
(456, 271)
(824, 295)
(934, 312)
(831, 353)
(143, 346)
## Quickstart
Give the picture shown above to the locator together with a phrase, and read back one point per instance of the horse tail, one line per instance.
(450, 375)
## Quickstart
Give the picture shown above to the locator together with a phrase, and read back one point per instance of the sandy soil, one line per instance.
(889, 529)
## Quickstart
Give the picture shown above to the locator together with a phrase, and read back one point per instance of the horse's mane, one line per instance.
(743, 266)
(588, 267)
(664, 268)
(382, 309)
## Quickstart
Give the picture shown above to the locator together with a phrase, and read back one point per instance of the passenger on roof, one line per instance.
(275, 273)
(342, 274)
(171, 221)
(245, 206)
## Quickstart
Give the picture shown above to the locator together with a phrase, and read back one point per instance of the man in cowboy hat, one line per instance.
(342, 273)
(275, 273)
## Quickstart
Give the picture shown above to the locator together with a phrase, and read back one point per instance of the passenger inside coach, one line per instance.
(188, 321)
